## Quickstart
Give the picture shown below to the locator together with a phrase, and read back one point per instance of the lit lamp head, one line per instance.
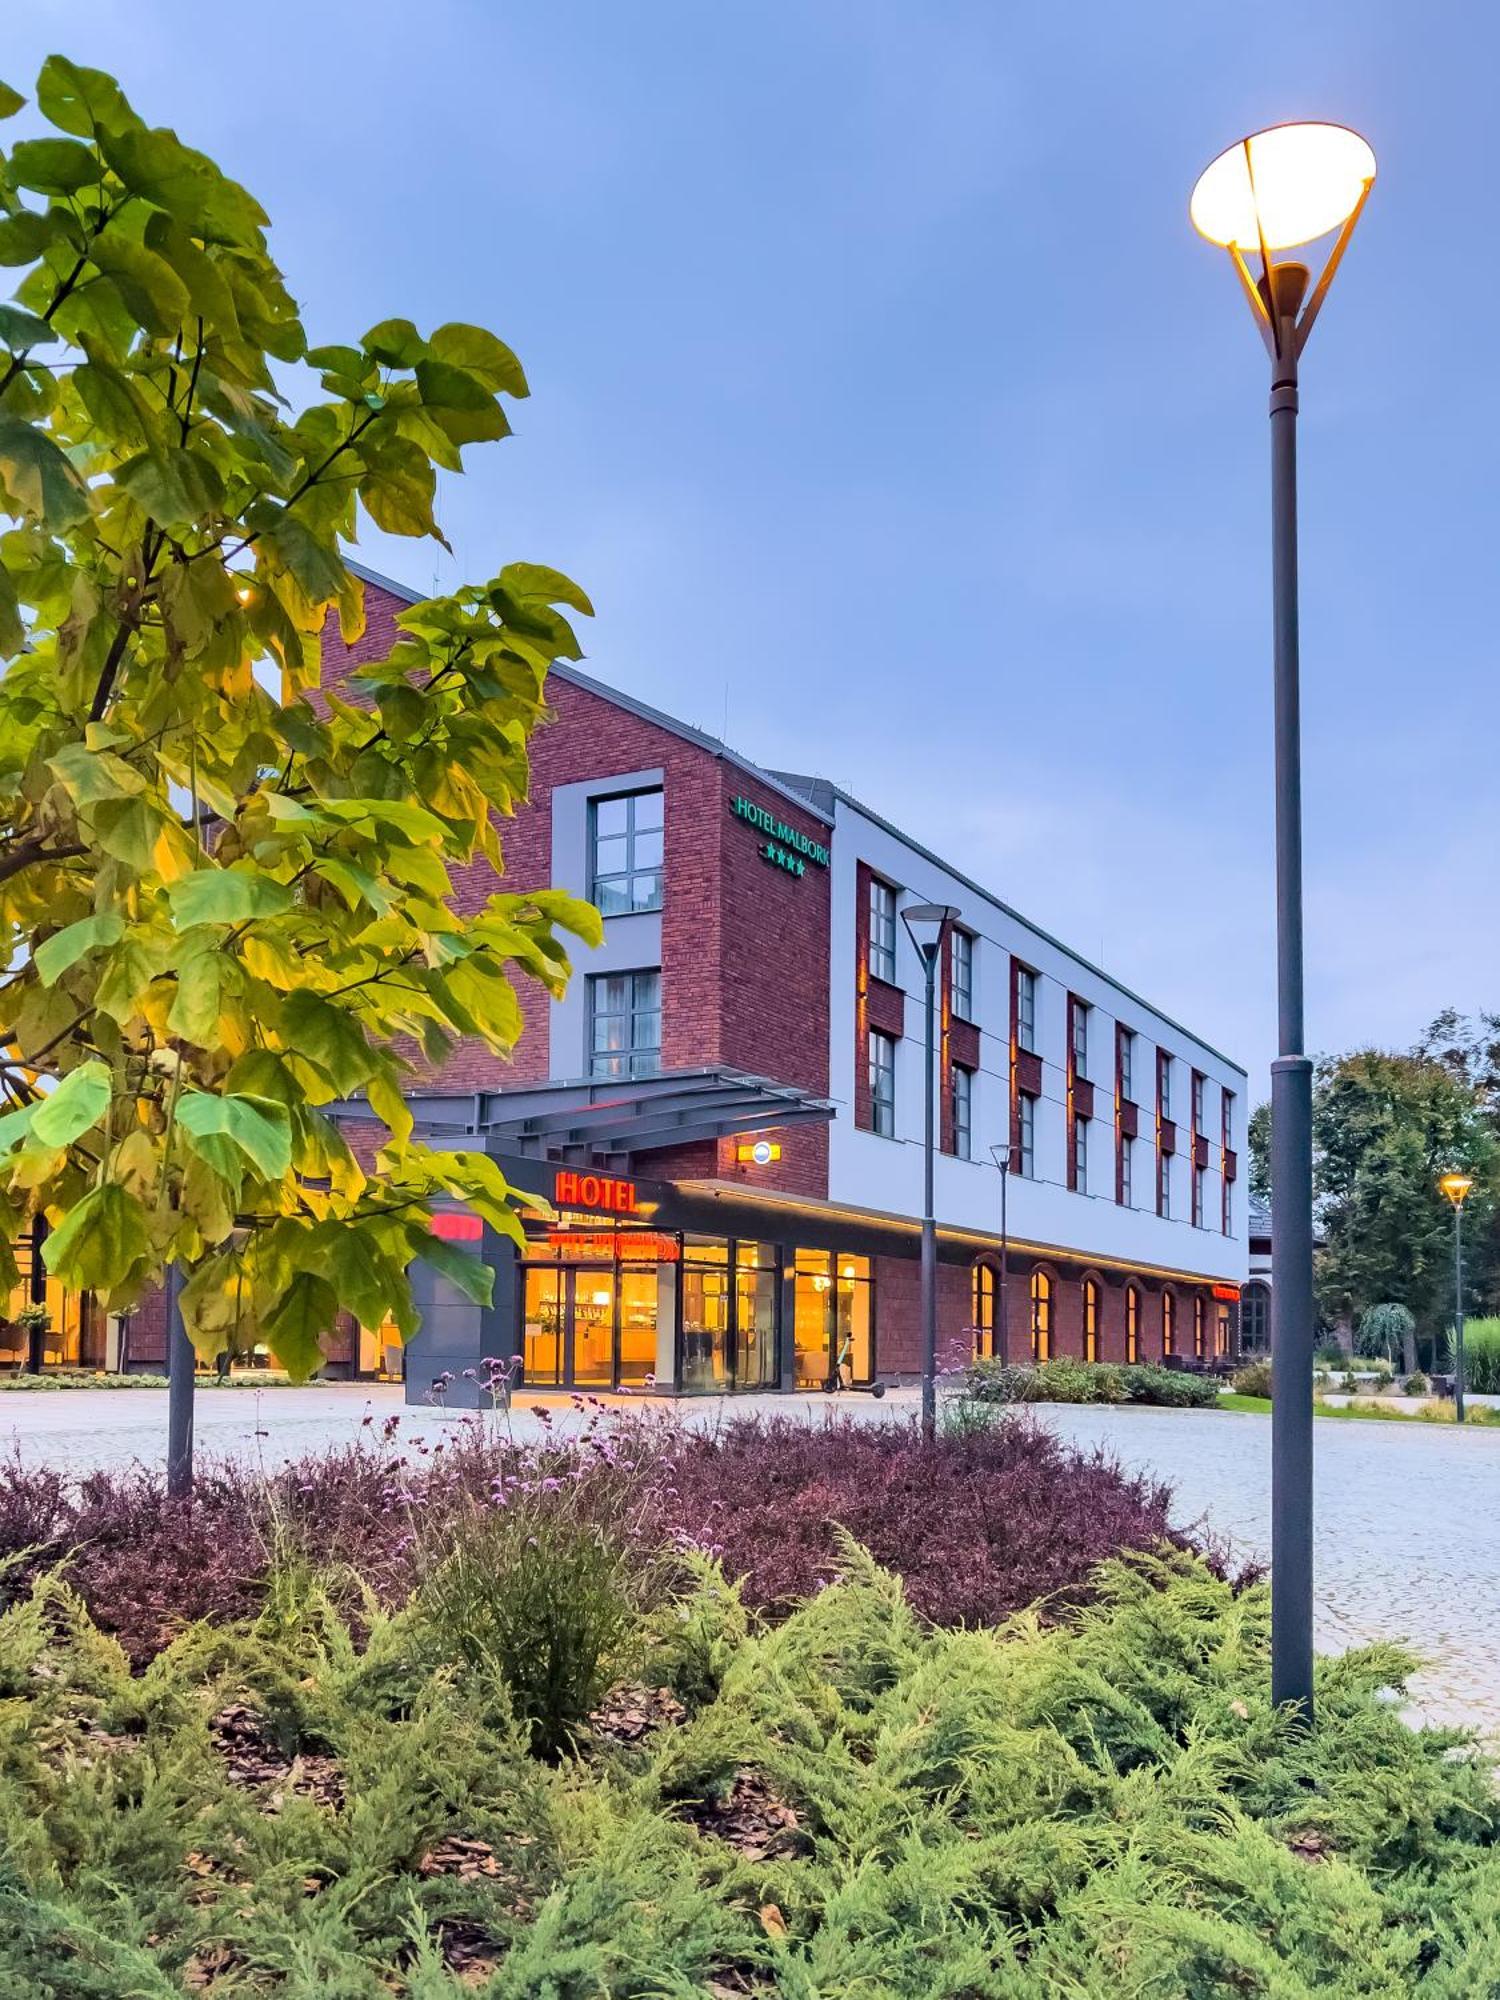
(1456, 1187)
(1276, 190)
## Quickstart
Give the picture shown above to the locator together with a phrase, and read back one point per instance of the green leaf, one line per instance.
(395, 342)
(21, 331)
(316, 568)
(459, 404)
(388, 1103)
(80, 100)
(479, 352)
(363, 1280)
(328, 1035)
(141, 956)
(187, 185)
(296, 1326)
(473, 1277)
(173, 486)
(130, 830)
(355, 884)
(88, 776)
(208, 289)
(54, 166)
(535, 584)
(257, 1126)
(23, 237)
(150, 288)
(200, 988)
(111, 399)
(226, 896)
(10, 101)
(75, 941)
(398, 490)
(102, 1241)
(77, 1104)
(38, 477)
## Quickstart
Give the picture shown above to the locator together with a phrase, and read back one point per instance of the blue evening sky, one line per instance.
(901, 428)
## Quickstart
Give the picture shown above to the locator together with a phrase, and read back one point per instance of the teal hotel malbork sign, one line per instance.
(783, 846)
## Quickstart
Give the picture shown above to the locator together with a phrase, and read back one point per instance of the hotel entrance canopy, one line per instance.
(601, 1120)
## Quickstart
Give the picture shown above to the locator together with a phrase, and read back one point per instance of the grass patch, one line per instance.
(1369, 1410)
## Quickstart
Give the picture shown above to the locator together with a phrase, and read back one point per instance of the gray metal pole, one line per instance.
(929, 1221)
(181, 1364)
(1458, 1313)
(1292, 1307)
(1004, 1261)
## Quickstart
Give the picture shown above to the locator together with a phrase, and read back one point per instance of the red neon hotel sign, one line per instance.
(603, 1194)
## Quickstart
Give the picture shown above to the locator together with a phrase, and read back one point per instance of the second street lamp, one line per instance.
(1273, 191)
(1456, 1187)
(927, 925)
(1000, 1154)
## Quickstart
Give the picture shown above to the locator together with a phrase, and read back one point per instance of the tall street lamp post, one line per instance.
(1001, 1156)
(1456, 1187)
(1276, 190)
(927, 925)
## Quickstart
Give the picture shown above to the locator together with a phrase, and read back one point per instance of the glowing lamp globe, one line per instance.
(1288, 185)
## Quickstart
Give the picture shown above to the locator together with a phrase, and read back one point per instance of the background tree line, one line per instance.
(1386, 1125)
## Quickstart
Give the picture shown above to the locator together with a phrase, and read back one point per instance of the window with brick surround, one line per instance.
(625, 1023)
(1127, 1065)
(1091, 1319)
(1164, 1185)
(1198, 1328)
(963, 1112)
(1081, 1011)
(961, 979)
(1163, 1083)
(1041, 1316)
(1198, 1081)
(882, 931)
(882, 1084)
(1200, 1182)
(1168, 1323)
(625, 852)
(1026, 1009)
(1026, 1108)
(1081, 1155)
(1132, 1323)
(1127, 1173)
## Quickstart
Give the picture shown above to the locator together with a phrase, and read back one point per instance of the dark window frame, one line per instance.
(624, 1061)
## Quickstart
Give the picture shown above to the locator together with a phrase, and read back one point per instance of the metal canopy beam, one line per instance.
(616, 1115)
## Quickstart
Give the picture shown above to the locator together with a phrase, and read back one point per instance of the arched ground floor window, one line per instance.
(1255, 1319)
(1091, 1300)
(1041, 1316)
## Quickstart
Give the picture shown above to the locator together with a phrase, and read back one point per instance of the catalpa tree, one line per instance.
(227, 899)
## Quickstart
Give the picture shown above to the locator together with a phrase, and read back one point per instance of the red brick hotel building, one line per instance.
(725, 1111)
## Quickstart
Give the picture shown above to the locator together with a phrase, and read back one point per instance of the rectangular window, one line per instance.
(625, 852)
(1127, 1172)
(1080, 1039)
(1027, 1108)
(963, 1112)
(1163, 1083)
(1197, 1100)
(1127, 1066)
(1200, 1178)
(1081, 1155)
(882, 1084)
(625, 1024)
(1026, 1010)
(1164, 1185)
(1229, 1121)
(1226, 1216)
(882, 931)
(962, 979)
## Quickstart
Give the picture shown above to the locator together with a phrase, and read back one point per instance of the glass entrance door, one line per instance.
(593, 1328)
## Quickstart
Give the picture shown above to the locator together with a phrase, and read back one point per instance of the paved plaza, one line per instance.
(1408, 1522)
